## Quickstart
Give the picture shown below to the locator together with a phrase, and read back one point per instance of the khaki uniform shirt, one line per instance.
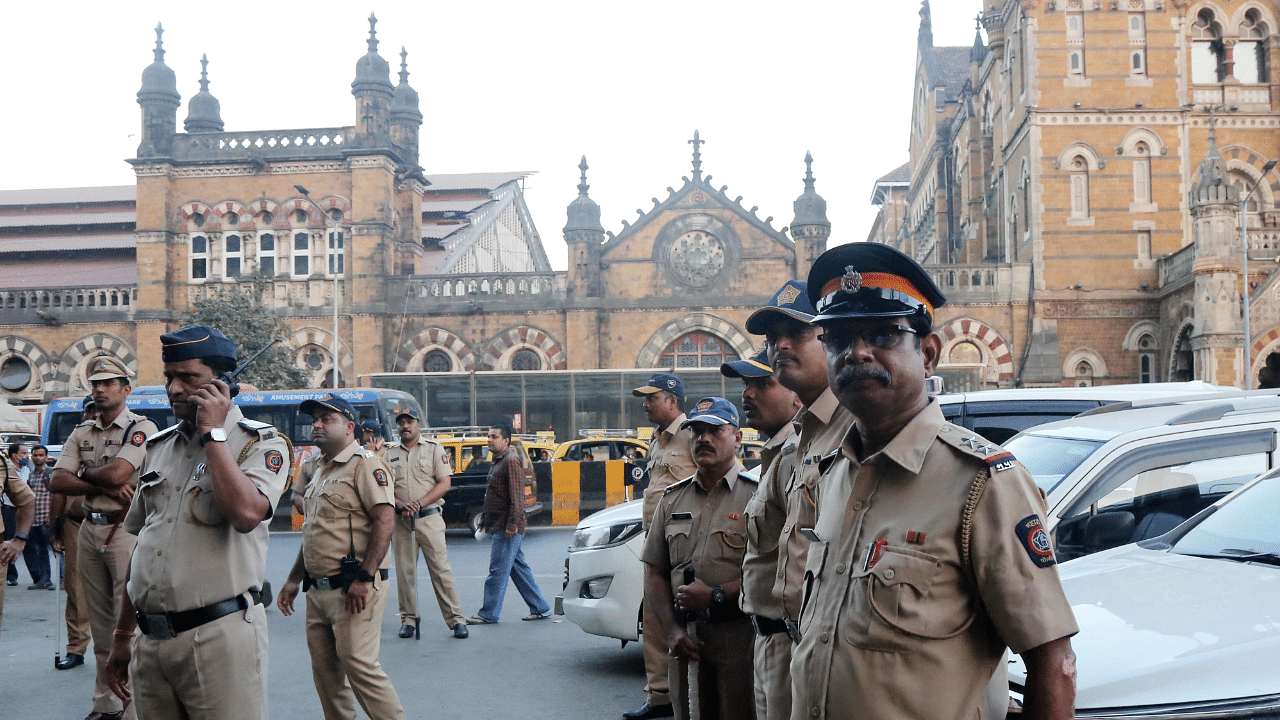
(417, 470)
(188, 554)
(670, 460)
(896, 618)
(341, 494)
(820, 428)
(765, 514)
(703, 528)
(93, 445)
(15, 488)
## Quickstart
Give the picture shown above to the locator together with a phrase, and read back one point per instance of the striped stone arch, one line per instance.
(996, 353)
(410, 355)
(71, 378)
(226, 207)
(305, 339)
(694, 322)
(499, 349)
(213, 221)
(328, 203)
(43, 367)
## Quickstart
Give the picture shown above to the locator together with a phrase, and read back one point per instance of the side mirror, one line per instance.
(1108, 530)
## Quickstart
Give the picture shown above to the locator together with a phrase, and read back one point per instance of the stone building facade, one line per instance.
(1074, 185)
(429, 272)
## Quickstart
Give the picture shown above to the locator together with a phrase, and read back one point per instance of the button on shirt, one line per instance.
(895, 619)
(418, 469)
(701, 527)
(188, 554)
(765, 514)
(341, 494)
(670, 460)
(93, 444)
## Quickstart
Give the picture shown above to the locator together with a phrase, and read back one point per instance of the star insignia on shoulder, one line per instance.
(972, 442)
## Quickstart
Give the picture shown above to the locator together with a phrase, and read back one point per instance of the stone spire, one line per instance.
(583, 212)
(203, 111)
(373, 91)
(406, 117)
(925, 38)
(697, 142)
(584, 236)
(1214, 185)
(979, 51)
(159, 99)
(810, 229)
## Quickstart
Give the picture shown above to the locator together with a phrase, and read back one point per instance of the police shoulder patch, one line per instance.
(1035, 540)
(274, 460)
(137, 438)
(380, 476)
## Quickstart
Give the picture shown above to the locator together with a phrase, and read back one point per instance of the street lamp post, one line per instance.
(1244, 250)
(325, 215)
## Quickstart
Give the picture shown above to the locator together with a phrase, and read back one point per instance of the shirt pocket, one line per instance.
(202, 507)
(336, 500)
(756, 526)
(814, 564)
(730, 543)
(679, 541)
(894, 609)
(150, 491)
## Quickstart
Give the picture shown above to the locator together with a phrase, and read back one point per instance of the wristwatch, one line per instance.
(20, 536)
(214, 435)
(718, 596)
(363, 576)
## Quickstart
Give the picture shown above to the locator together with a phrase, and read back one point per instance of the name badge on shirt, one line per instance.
(681, 516)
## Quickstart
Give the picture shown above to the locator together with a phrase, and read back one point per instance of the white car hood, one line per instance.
(1157, 627)
(630, 511)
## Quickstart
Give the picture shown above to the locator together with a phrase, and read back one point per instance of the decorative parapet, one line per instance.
(22, 306)
(316, 143)
(967, 284)
(1176, 266)
(467, 287)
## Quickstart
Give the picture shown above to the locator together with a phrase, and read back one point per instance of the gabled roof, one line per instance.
(496, 234)
(951, 66)
(900, 177)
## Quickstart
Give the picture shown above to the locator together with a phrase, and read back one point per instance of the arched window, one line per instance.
(233, 251)
(1075, 43)
(1137, 44)
(1208, 54)
(1079, 187)
(1250, 52)
(1146, 358)
(1084, 374)
(267, 255)
(965, 353)
(437, 361)
(697, 349)
(15, 374)
(199, 257)
(1142, 173)
(526, 359)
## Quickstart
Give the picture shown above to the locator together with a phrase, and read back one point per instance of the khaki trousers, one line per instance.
(77, 611)
(217, 671)
(344, 656)
(103, 573)
(773, 677)
(428, 534)
(724, 673)
(656, 655)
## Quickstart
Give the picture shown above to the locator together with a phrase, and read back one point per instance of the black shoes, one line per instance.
(647, 711)
(70, 661)
(41, 586)
(95, 715)
(411, 631)
(460, 631)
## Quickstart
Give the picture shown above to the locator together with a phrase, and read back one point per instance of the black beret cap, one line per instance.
(868, 280)
(195, 342)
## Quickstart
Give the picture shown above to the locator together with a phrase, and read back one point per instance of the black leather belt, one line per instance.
(104, 518)
(427, 511)
(163, 626)
(767, 626)
(337, 582)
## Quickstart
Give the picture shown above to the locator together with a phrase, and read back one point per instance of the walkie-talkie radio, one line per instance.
(230, 377)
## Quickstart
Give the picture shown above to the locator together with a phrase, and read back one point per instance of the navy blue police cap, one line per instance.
(755, 367)
(86, 402)
(328, 402)
(713, 410)
(195, 342)
(870, 280)
(408, 412)
(371, 425)
(661, 382)
(791, 300)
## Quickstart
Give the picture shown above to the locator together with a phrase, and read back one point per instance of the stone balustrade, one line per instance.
(982, 283)
(1176, 266)
(60, 305)
(467, 288)
(315, 143)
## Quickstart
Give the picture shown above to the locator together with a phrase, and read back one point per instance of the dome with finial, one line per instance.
(584, 213)
(405, 99)
(159, 79)
(1214, 184)
(372, 72)
(810, 207)
(204, 114)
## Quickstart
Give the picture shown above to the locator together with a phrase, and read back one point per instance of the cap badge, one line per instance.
(671, 383)
(788, 295)
(704, 406)
(852, 280)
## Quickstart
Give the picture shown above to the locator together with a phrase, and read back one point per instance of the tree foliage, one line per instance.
(251, 326)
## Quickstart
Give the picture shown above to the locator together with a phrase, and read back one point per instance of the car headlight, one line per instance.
(603, 536)
(595, 588)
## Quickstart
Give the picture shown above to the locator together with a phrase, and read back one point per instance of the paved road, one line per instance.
(524, 670)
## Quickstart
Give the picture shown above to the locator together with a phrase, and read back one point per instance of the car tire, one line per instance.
(474, 518)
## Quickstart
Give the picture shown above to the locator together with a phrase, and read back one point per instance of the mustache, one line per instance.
(854, 373)
(703, 446)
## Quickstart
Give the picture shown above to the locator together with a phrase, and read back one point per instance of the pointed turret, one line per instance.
(979, 51)
(373, 92)
(204, 115)
(811, 229)
(159, 99)
(1211, 198)
(584, 236)
(1214, 185)
(406, 117)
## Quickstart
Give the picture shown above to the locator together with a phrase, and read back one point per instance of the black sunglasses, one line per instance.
(882, 337)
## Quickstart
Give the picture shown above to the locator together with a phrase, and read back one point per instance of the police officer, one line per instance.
(372, 439)
(68, 516)
(670, 460)
(422, 477)
(931, 555)
(698, 524)
(24, 501)
(343, 563)
(100, 461)
(209, 485)
(769, 407)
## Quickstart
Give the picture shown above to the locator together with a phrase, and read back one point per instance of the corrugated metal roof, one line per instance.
(40, 274)
(66, 218)
(436, 231)
(52, 196)
(474, 181)
(57, 243)
(453, 205)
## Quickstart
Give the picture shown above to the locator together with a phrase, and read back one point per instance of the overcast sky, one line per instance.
(504, 86)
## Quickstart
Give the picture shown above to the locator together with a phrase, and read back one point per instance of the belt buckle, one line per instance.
(793, 631)
(156, 626)
(97, 518)
(755, 624)
(323, 583)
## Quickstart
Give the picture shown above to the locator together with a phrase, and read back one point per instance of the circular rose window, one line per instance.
(697, 258)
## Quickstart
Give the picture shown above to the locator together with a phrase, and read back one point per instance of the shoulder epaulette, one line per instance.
(826, 461)
(365, 453)
(678, 483)
(752, 475)
(979, 448)
(264, 431)
(86, 422)
(162, 434)
(789, 447)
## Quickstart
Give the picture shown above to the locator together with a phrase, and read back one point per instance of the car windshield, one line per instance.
(1049, 459)
(1242, 529)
